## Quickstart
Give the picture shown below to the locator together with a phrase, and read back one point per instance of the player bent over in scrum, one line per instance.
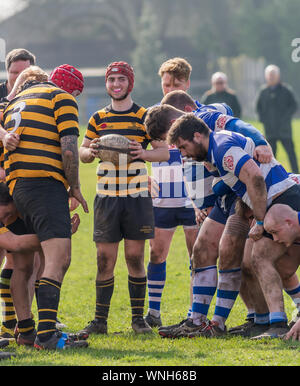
(258, 185)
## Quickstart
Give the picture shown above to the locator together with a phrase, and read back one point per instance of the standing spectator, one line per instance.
(220, 92)
(15, 62)
(275, 106)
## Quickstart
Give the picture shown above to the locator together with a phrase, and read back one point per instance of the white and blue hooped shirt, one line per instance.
(229, 151)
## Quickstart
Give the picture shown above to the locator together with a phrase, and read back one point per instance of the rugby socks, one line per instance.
(262, 318)
(137, 293)
(156, 275)
(9, 319)
(229, 283)
(48, 301)
(278, 317)
(294, 293)
(204, 288)
(26, 326)
(104, 291)
(36, 290)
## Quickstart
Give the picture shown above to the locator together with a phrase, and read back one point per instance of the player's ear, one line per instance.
(188, 109)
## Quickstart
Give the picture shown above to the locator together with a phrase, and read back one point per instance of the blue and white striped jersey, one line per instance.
(180, 180)
(229, 151)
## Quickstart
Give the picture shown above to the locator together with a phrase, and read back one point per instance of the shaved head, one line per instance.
(281, 221)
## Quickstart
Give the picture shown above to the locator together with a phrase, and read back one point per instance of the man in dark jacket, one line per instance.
(275, 106)
(220, 92)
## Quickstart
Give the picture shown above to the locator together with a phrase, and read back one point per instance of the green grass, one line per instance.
(122, 347)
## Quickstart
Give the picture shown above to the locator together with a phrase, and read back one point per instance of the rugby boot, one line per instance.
(208, 329)
(152, 320)
(163, 330)
(140, 326)
(4, 342)
(180, 331)
(275, 330)
(96, 326)
(59, 341)
(7, 333)
(26, 339)
(247, 324)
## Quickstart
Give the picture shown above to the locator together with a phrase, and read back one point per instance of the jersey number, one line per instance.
(16, 115)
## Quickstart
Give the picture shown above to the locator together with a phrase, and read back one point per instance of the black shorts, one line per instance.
(18, 227)
(116, 218)
(43, 206)
(290, 197)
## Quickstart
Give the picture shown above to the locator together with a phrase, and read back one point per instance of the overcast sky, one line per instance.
(9, 7)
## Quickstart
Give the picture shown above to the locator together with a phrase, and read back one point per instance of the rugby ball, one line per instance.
(113, 148)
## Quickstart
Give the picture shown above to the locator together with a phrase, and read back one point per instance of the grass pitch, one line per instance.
(121, 347)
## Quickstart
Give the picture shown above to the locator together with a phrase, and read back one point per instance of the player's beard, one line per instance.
(120, 98)
(200, 152)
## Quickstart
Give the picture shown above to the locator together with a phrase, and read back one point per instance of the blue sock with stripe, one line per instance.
(294, 293)
(204, 288)
(262, 318)
(229, 284)
(278, 317)
(156, 276)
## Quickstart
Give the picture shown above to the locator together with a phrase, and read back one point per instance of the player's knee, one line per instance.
(135, 262)
(103, 262)
(156, 257)
(26, 270)
(205, 251)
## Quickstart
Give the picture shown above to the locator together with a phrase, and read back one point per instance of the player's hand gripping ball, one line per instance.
(112, 148)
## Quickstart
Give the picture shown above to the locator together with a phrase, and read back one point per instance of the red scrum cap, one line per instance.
(121, 68)
(67, 78)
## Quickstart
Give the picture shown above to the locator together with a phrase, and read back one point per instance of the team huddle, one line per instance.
(212, 173)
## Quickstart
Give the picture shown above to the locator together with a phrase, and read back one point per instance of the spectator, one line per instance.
(275, 106)
(220, 92)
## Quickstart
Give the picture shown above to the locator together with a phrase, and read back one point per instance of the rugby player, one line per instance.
(70, 79)
(172, 207)
(122, 209)
(259, 187)
(39, 173)
(205, 252)
(15, 62)
(283, 223)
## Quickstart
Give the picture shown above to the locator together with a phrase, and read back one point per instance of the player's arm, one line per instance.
(263, 152)
(252, 177)
(19, 243)
(70, 160)
(158, 153)
(86, 153)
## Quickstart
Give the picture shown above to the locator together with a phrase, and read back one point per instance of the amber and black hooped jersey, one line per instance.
(41, 115)
(127, 179)
(3, 105)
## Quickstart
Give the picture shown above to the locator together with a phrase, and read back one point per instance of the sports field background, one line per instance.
(121, 346)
